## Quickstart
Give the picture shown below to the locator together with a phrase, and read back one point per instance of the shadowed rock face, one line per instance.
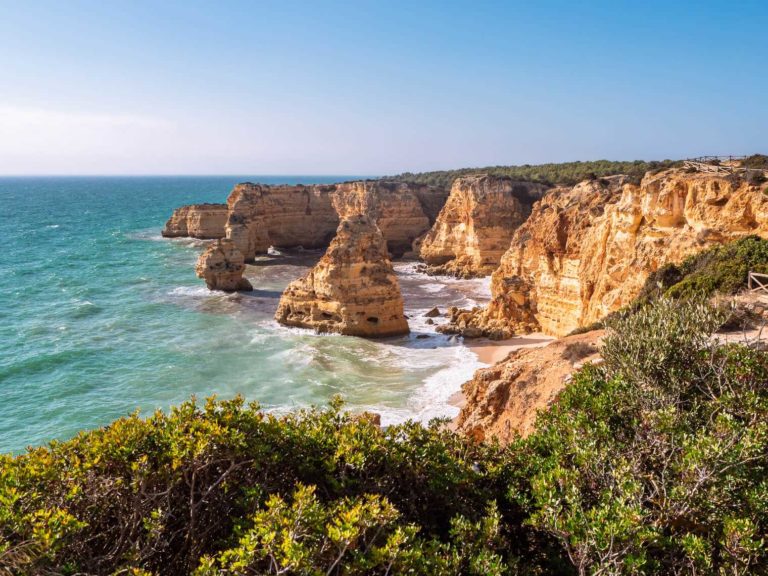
(352, 290)
(474, 228)
(206, 221)
(222, 266)
(586, 251)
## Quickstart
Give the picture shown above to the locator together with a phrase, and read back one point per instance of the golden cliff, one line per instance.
(398, 209)
(260, 216)
(222, 266)
(502, 401)
(586, 251)
(352, 290)
(197, 221)
(476, 224)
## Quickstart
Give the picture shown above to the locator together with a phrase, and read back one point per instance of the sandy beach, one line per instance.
(492, 351)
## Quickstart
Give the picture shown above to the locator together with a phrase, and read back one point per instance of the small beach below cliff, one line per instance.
(492, 351)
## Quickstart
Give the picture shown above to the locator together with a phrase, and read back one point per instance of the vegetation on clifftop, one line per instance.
(651, 463)
(554, 174)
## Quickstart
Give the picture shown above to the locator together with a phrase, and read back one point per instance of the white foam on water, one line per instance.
(53, 226)
(432, 398)
(433, 287)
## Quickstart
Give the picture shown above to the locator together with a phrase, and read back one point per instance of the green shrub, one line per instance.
(656, 461)
(560, 174)
(215, 487)
(722, 269)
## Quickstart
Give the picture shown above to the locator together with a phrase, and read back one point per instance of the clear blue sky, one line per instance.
(363, 87)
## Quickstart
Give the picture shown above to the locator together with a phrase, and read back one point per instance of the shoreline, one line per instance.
(492, 352)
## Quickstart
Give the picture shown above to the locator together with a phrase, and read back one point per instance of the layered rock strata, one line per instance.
(207, 221)
(395, 207)
(352, 290)
(222, 266)
(503, 401)
(261, 216)
(475, 227)
(586, 251)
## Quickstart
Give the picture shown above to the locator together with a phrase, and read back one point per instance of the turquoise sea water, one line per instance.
(100, 316)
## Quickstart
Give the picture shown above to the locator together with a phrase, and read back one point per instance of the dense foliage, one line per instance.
(560, 174)
(654, 462)
(722, 269)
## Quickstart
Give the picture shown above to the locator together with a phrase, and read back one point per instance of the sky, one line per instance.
(374, 87)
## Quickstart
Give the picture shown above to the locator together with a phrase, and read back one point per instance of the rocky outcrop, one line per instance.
(503, 401)
(222, 266)
(206, 221)
(395, 207)
(586, 251)
(474, 228)
(261, 216)
(352, 290)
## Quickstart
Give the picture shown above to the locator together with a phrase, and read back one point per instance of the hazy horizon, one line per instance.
(301, 88)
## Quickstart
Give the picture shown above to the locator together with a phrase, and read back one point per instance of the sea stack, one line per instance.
(222, 266)
(475, 227)
(352, 290)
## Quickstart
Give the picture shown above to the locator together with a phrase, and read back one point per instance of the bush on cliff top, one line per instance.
(722, 269)
(653, 463)
(560, 174)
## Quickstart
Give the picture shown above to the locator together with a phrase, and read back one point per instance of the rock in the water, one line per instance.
(205, 221)
(476, 224)
(434, 313)
(222, 266)
(352, 290)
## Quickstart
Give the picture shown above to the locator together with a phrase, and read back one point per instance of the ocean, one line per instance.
(100, 316)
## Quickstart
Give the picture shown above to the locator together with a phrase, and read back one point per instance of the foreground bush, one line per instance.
(655, 462)
(226, 487)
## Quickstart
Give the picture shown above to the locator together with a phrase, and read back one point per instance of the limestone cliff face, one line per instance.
(261, 216)
(502, 400)
(586, 251)
(222, 266)
(395, 207)
(474, 228)
(197, 221)
(352, 290)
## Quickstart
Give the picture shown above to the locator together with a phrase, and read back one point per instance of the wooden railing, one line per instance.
(715, 164)
(757, 282)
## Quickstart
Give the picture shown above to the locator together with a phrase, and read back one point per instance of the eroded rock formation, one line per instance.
(206, 221)
(222, 266)
(586, 251)
(502, 401)
(352, 290)
(261, 216)
(395, 207)
(476, 224)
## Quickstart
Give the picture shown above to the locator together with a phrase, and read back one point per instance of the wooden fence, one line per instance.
(757, 283)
